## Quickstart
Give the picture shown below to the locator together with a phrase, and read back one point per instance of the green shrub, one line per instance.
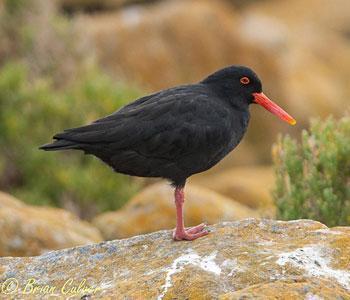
(313, 177)
(35, 33)
(31, 111)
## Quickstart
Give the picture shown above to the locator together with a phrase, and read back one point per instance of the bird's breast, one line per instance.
(220, 138)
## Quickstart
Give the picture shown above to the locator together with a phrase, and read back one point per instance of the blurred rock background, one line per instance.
(64, 63)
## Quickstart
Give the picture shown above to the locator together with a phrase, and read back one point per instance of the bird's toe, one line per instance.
(191, 234)
(196, 229)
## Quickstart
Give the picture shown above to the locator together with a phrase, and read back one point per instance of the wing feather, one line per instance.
(165, 125)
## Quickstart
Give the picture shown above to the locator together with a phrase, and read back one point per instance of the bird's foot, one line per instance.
(196, 229)
(191, 233)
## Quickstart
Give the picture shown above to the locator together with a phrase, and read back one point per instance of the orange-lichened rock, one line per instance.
(251, 186)
(153, 209)
(32, 230)
(247, 259)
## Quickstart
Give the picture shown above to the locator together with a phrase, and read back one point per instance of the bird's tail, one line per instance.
(60, 145)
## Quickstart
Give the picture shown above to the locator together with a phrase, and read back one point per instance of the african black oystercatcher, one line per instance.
(176, 132)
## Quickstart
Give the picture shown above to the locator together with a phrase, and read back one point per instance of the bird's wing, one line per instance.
(112, 128)
(163, 125)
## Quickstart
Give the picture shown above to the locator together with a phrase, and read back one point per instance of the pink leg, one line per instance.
(180, 232)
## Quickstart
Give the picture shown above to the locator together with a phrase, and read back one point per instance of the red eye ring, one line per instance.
(244, 80)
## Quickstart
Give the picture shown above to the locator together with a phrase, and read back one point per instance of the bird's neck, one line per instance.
(229, 96)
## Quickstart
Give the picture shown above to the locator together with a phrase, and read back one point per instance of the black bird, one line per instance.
(175, 133)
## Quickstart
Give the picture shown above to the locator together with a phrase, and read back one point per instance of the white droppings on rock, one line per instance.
(227, 223)
(106, 285)
(206, 263)
(266, 243)
(315, 261)
(149, 272)
(124, 273)
(312, 297)
(232, 266)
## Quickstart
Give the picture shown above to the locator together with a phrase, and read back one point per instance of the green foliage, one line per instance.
(35, 33)
(31, 111)
(14, 6)
(49, 82)
(313, 176)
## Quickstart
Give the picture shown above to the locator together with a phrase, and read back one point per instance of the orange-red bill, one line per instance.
(264, 101)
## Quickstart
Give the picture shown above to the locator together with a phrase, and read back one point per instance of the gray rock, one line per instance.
(253, 259)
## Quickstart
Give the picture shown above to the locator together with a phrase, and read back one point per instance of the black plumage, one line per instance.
(174, 133)
(171, 134)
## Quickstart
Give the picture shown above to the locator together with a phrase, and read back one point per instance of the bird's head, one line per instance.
(243, 87)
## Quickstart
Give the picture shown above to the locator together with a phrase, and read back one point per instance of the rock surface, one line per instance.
(305, 289)
(248, 259)
(31, 230)
(153, 209)
(250, 186)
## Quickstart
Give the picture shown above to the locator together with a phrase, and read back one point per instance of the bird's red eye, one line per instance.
(244, 80)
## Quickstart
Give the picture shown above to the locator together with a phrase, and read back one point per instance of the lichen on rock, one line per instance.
(32, 230)
(153, 209)
(255, 259)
